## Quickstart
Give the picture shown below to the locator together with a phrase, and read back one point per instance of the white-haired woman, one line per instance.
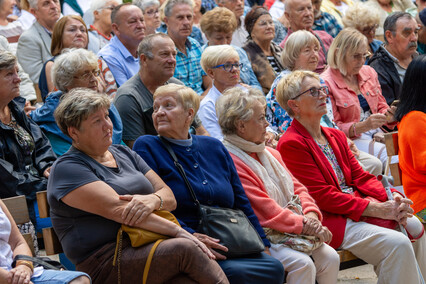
(150, 9)
(101, 28)
(366, 20)
(77, 68)
(272, 190)
(359, 107)
(221, 63)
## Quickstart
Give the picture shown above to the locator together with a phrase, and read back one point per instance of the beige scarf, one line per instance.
(278, 182)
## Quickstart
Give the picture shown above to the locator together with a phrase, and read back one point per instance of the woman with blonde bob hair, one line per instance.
(350, 199)
(359, 107)
(300, 53)
(222, 65)
(366, 20)
(272, 190)
(212, 175)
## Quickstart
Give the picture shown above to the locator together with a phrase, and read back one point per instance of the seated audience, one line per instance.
(221, 63)
(301, 17)
(337, 8)
(24, 16)
(219, 25)
(101, 28)
(386, 8)
(11, 30)
(263, 53)
(76, 68)
(391, 59)
(151, 14)
(359, 107)
(95, 187)
(411, 113)
(212, 174)
(75, 7)
(34, 44)
(26, 154)
(69, 32)
(351, 200)
(272, 190)
(134, 99)
(365, 20)
(324, 21)
(239, 37)
(120, 54)
(421, 37)
(12, 244)
(188, 69)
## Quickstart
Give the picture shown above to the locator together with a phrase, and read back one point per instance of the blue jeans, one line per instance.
(57, 277)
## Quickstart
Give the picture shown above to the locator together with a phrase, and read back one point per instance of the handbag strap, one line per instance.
(149, 260)
(180, 168)
(35, 260)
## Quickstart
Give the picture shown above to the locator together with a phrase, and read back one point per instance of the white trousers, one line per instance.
(302, 269)
(391, 252)
(363, 144)
(370, 163)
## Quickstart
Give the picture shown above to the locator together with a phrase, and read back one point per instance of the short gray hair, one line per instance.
(294, 45)
(97, 5)
(235, 105)
(145, 4)
(69, 63)
(391, 21)
(217, 54)
(145, 46)
(33, 3)
(290, 86)
(7, 60)
(170, 4)
(77, 105)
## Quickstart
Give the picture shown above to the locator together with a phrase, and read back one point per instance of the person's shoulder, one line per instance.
(194, 43)
(323, 35)
(146, 141)
(207, 141)
(130, 86)
(415, 116)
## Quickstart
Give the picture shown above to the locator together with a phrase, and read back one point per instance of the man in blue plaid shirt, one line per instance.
(324, 21)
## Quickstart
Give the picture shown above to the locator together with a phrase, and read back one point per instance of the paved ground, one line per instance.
(358, 275)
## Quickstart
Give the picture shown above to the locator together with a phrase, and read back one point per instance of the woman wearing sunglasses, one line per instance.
(221, 63)
(319, 157)
(359, 108)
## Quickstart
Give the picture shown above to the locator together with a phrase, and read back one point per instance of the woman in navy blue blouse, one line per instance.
(212, 174)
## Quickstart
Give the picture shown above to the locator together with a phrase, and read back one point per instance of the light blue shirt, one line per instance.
(119, 60)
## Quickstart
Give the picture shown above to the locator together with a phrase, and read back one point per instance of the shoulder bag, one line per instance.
(230, 226)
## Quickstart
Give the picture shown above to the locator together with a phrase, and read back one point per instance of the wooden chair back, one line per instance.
(52, 244)
(18, 208)
(391, 141)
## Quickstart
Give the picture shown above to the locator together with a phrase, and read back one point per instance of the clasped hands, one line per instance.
(398, 209)
(138, 208)
(313, 227)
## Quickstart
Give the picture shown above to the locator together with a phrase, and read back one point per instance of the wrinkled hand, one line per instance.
(390, 114)
(311, 226)
(184, 234)
(139, 207)
(354, 149)
(46, 172)
(325, 235)
(211, 244)
(28, 108)
(379, 137)
(270, 140)
(21, 274)
(404, 209)
(376, 120)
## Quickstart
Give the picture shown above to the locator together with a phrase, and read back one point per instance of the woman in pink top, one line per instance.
(359, 108)
(271, 188)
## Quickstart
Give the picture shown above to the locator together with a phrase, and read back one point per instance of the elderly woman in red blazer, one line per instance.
(350, 198)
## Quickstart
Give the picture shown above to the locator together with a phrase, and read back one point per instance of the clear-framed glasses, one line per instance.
(315, 92)
(358, 56)
(87, 75)
(228, 67)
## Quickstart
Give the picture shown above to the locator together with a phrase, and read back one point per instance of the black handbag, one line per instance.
(230, 226)
(45, 262)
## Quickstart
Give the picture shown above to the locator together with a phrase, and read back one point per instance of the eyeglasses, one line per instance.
(228, 67)
(152, 12)
(369, 29)
(359, 56)
(315, 92)
(87, 75)
(108, 8)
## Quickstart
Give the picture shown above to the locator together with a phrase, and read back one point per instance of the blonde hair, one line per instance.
(184, 95)
(217, 54)
(360, 16)
(235, 105)
(219, 19)
(294, 45)
(346, 43)
(290, 86)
